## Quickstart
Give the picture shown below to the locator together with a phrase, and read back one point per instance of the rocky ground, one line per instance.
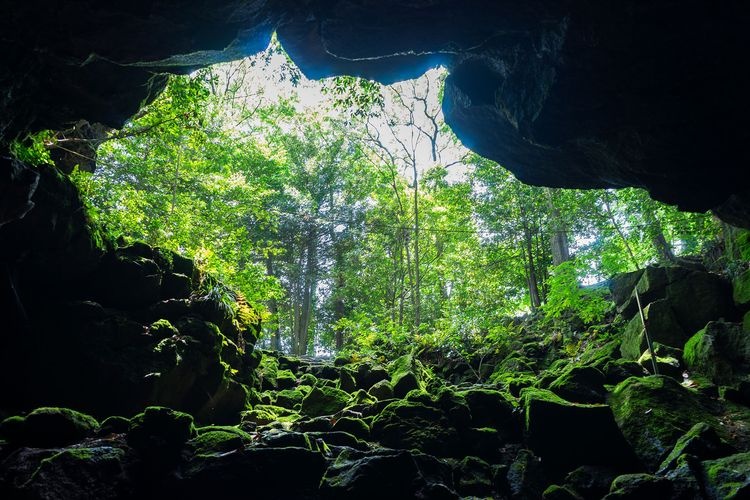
(542, 425)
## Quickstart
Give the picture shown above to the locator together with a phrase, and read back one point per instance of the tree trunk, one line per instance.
(417, 277)
(273, 309)
(559, 237)
(655, 230)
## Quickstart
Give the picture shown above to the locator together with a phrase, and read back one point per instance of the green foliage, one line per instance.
(33, 149)
(566, 295)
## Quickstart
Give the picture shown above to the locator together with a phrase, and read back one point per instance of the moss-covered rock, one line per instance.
(406, 375)
(386, 474)
(367, 375)
(114, 425)
(218, 439)
(720, 351)
(48, 427)
(347, 382)
(557, 492)
(264, 470)
(162, 329)
(663, 327)
(741, 290)
(407, 425)
(591, 482)
(491, 408)
(324, 401)
(566, 434)
(91, 472)
(381, 390)
(354, 426)
(637, 486)
(289, 398)
(580, 384)
(525, 476)
(159, 433)
(728, 477)
(653, 412)
(473, 477)
(701, 441)
(285, 379)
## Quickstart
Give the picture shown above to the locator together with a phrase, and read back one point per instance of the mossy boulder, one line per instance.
(48, 427)
(264, 470)
(701, 441)
(354, 426)
(663, 327)
(525, 477)
(324, 400)
(114, 425)
(566, 434)
(289, 398)
(741, 290)
(637, 486)
(218, 439)
(580, 384)
(162, 329)
(473, 477)
(406, 375)
(159, 433)
(347, 381)
(88, 472)
(557, 492)
(411, 425)
(285, 379)
(720, 351)
(728, 477)
(386, 474)
(367, 375)
(491, 408)
(653, 412)
(381, 390)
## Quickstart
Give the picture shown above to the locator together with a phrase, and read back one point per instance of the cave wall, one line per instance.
(563, 93)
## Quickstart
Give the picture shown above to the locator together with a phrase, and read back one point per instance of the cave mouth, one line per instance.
(282, 187)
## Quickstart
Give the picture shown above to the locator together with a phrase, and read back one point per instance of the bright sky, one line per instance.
(270, 76)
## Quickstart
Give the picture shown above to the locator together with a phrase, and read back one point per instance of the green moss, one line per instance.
(381, 390)
(160, 431)
(557, 492)
(741, 289)
(288, 398)
(48, 427)
(216, 439)
(324, 401)
(308, 379)
(653, 412)
(162, 329)
(114, 425)
(728, 477)
(354, 426)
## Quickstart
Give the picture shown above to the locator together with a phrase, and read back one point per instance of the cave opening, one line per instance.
(247, 278)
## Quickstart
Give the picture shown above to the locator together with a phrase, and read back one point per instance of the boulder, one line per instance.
(385, 474)
(525, 477)
(653, 412)
(491, 408)
(354, 426)
(727, 477)
(701, 441)
(407, 425)
(621, 287)
(324, 401)
(218, 439)
(473, 477)
(720, 351)
(565, 434)
(663, 327)
(91, 472)
(48, 427)
(266, 470)
(591, 482)
(381, 390)
(159, 434)
(580, 384)
(637, 486)
(741, 290)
